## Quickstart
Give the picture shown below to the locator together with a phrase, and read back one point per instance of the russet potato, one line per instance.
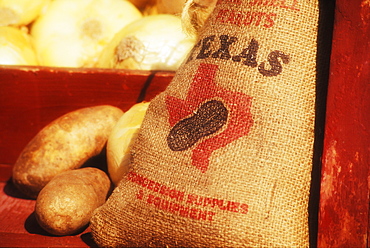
(64, 206)
(65, 144)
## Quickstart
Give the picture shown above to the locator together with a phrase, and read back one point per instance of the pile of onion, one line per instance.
(72, 33)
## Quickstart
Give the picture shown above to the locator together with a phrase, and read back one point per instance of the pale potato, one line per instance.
(65, 205)
(65, 144)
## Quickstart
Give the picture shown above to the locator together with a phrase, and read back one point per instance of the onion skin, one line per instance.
(20, 12)
(155, 42)
(121, 139)
(73, 33)
(16, 47)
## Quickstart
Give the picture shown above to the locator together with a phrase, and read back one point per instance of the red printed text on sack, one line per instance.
(243, 18)
(266, 18)
(180, 203)
(284, 4)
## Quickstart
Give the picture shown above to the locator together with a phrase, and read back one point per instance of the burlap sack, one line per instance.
(224, 155)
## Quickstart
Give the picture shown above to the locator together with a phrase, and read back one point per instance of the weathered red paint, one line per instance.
(344, 194)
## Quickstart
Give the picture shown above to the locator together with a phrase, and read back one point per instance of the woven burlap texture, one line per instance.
(224, 155)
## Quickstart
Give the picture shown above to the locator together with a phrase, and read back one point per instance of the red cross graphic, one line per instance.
(202, 88)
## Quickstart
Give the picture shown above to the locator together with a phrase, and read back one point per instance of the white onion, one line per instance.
(72, 33)
(20, 12)
(16, 47)
(155, 42)
(121, 139)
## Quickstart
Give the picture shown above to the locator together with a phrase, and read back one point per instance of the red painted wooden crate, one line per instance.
(30, 98)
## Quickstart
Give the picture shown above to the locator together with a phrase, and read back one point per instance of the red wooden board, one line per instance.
(344, 194)
(31, 97)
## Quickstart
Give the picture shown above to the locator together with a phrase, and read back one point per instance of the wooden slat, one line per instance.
(34, 240)
(344, 193)
(31, 97)
(5, 172)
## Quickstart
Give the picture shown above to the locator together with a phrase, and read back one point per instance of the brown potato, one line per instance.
(65, 205)
(64, 144)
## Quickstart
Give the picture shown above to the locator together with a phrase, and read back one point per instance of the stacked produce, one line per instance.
(53, 167)
(16, 44)
(72, 33)
(136, 34)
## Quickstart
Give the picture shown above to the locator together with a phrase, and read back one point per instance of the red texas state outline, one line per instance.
(202, 88)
